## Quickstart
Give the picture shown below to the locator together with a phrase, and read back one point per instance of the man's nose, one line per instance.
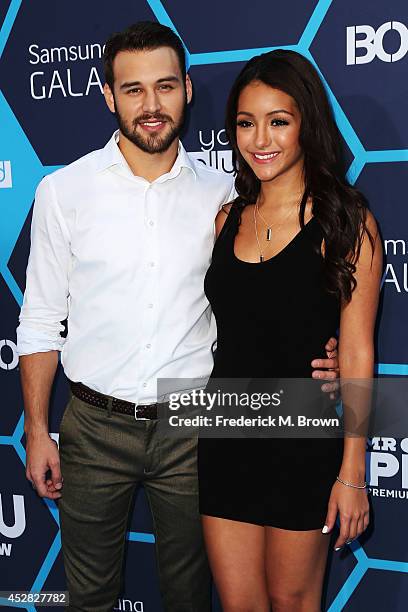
(151, 102)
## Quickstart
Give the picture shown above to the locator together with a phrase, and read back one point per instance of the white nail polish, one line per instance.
(325, 529)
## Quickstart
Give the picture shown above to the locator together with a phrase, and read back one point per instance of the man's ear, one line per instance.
(109, 98)
(189, 89)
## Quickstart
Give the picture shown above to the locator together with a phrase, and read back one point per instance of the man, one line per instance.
(121, 240)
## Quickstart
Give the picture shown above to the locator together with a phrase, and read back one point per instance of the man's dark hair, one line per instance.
(142, 36)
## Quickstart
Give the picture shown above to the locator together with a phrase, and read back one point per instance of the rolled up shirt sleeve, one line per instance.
(45, 303)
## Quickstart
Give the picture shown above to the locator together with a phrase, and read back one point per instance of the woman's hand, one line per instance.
(352, 506)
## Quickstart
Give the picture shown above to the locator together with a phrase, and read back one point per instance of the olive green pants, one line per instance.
(104, 457)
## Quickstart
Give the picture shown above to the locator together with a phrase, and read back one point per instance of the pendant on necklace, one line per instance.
(261, 258)
(268, 234)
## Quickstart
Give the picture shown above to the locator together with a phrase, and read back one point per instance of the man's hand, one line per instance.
(328, 369)
(43, 457)
(37, 373)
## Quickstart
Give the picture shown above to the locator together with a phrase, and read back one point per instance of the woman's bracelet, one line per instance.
(349, 484)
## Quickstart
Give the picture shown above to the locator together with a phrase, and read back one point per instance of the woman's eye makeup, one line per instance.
(279, 122)
(243, 123)
(275, 122)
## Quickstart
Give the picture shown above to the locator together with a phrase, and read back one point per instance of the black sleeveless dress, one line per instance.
(272, 318)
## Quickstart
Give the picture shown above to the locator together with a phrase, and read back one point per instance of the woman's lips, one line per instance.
(265, 157)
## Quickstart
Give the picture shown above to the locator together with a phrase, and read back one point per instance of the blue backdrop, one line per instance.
(52, 111)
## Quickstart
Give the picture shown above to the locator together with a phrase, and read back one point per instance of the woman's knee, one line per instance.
(233, 603)
(299, 600)
(244, 600)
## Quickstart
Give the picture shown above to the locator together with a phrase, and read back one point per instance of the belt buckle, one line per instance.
(139, 418)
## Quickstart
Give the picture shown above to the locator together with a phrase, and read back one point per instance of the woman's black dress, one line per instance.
(272, 318)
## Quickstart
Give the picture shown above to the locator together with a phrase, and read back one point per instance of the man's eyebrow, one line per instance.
(274, 112)
(166, 79)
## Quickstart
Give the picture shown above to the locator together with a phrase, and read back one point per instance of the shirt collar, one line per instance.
(111, 155)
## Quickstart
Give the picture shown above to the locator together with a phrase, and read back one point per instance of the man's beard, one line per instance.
(151, 143)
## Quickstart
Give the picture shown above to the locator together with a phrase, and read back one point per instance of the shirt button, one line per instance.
(151, 223)
(150, 306)
(152, 264)
(148, 346)
(145, 385)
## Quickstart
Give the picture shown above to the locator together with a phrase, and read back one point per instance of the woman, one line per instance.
(297, 257)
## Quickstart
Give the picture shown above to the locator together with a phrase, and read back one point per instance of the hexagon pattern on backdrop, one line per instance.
(48, 119)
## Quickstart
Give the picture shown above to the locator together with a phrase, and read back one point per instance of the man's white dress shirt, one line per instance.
(124, 260)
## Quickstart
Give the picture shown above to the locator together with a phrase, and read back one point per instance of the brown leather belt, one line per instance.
(141, 411)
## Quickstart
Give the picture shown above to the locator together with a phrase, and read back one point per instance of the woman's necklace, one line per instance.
(269, 227)
(261, 257)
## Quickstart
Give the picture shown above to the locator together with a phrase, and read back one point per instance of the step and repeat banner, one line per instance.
(52, 111)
